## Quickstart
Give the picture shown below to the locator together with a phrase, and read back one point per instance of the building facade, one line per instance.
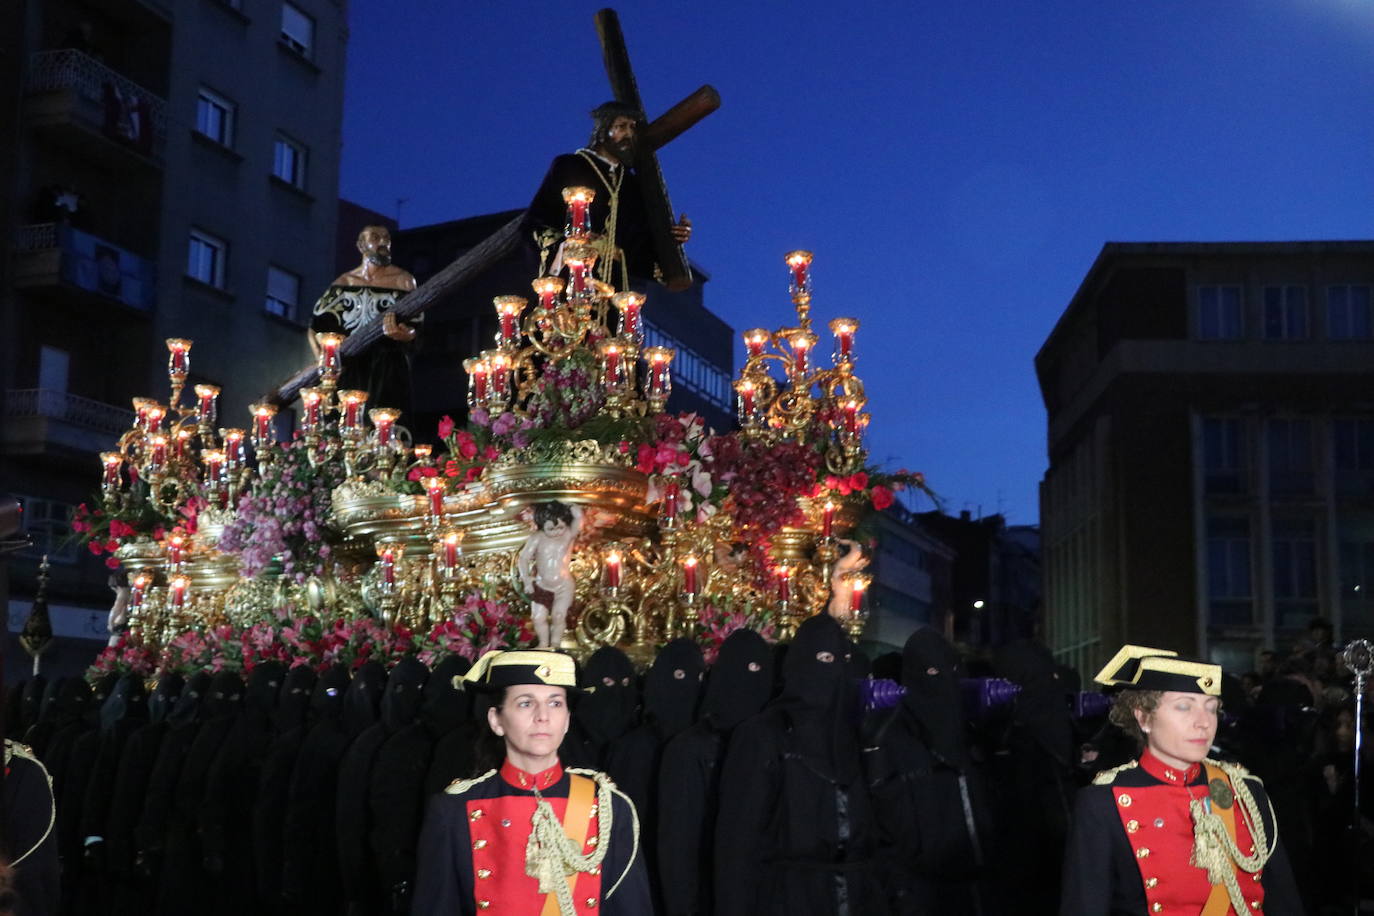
(174, 174)
(1211, 450)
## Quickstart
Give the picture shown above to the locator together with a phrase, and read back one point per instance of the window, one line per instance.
(693, 371)
(283, 292)
(288, 161)
(1219, 313)
(1229, 592)
(48, 526)
(1223, 455)
(215, 117)
(1290, 457)
(297, 29)
(1285, 313)
(1295, 572)
(206, 258)
(1347, 312)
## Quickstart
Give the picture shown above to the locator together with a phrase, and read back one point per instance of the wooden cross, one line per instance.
(677, 275)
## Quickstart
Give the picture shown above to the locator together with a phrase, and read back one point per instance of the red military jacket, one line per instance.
(1130, 849)
(472, 848)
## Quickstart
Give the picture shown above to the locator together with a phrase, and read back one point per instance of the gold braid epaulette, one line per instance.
(459, 786)
(1107, 777)
(1213, 846)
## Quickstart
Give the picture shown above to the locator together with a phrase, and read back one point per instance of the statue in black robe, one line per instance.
(737, 687)
(794, 829)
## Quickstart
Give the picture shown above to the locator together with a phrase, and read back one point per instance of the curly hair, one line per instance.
(1124, 708)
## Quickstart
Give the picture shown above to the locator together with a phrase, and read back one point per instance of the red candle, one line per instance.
(670, 494)
(689, 575)
(746, 402)
(613, 570)
(177, 592)
(500, 377)
(262, 423)
(801, 355)
(157, 454)
(153, 418)
(214, 463)
(850, 415)
(435, 487)
(577, 269)
(451, 540)
(800, 264)
(207, 397)
(579, 201)
(388, 566)
(111, 462)
(856, 596)
(233, 448)
(659, 360)
(384, 421)
(353, 402)
(547, 288)
(844, 329)
(480, 374)
(178, 359)
(784, 584)
(329, 363)
(138, 591)
(311, 397)
(176, 546)
(828, 519)
(755, 341)
(508, 309)
(612, 354)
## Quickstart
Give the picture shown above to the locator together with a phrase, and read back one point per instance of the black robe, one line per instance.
(737, 687)
(383, 369)
(794, 830)
(29, 813)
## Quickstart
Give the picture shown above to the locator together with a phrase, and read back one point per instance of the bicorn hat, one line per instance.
(500, 669)
(1143, 668)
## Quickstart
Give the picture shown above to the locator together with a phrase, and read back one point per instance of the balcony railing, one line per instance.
(47, 253)
(51, 404)
(123, 110)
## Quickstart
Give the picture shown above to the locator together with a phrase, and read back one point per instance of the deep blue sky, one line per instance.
(956, 166)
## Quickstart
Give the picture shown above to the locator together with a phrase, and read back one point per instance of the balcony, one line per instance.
(52, 256)
(71, 95)
(43, 421)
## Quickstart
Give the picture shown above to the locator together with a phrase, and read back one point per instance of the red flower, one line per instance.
(645, 459)
(450, 468)
(473, 473)
(882, 497)
(445, 427)
(414, 473)
(95, 547)
(112, 562)
(858, 481)
(491, 453)
(467, 445)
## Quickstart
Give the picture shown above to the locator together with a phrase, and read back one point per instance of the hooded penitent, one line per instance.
(930, 673)
(740, 681)
(605, 712)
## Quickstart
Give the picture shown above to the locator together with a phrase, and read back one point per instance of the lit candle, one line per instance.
(353, 402)
(110, 461)
(844, 330)
(856, 595)
(579, 259)
(659, 359)
(508, 309)
(631, 307)
(451, 542)
(799, 262)
(849, 413)
(422, 453)
(233, 448)
(176, 550)
(689, 574)
(262, 422)
(328, 362)
(611, 373)
(207, 404)
(182, 442)
(312, 398)
(670, 497)
(801, 343)
(613, 569)
(388, 558)
(157, 455)
(138, 591)
(141, 406)
(178, 359)
(547, 289)
(478, 371)
(500, 378)
(828, 519)
(153, 418)
(746, 391)
(755, 340)
(214, 469)
(784, 574)
(434, 487)
(384, 421)
(579, 201)
(176, 592)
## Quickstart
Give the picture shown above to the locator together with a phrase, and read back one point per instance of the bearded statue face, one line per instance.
(374, 242)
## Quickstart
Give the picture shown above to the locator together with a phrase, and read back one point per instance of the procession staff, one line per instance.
(1175, 831)
(530, 838)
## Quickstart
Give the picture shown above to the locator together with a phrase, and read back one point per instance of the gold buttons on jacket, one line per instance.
(475, 814)
(591, 812)
(1256, 905)
(1123, 800)
(1156, 907)
(484, 873)
(479, 844)
(592, 841)
(591, 902)
(483, 904)
(1151, 882)
(1132, 826)
(1142, 853)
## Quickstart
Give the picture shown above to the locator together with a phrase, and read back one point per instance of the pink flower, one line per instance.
(467, 445)
(882, 497)
(112, 562)
(858, 481)
(445, 426)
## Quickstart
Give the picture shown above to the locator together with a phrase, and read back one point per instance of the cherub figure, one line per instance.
(854, 559)
(544, 570)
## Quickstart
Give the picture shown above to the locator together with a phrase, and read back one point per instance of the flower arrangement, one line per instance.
(680, 448)
(284, 513)
(125, 656)
(878, 487)
(476, 626)
(715, 623)
(103, 530)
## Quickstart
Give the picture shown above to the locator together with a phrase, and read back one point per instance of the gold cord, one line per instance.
(15, 749)
(1216, 851)
(551, 855)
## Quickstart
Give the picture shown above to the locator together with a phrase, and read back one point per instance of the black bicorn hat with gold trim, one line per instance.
(1143, 668)
(502, 668)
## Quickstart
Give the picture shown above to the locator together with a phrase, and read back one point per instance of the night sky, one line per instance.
(955, 166)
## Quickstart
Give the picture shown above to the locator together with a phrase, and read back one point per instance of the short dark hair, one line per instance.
(604, 116)
(552, 511)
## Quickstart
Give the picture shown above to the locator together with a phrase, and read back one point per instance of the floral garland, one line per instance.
(476, 626)
(104, 530)
(125, 656)
(284, 513)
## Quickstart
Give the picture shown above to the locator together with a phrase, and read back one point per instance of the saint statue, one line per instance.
(544, 571)
(355, 299)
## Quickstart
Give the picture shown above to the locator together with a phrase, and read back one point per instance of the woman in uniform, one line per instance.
(1174, 831)
(530, 837)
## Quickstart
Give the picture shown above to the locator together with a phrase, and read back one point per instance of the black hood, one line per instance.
(740, 682)
(294, 699)
(607, 711)
(930, 673)
(364, 697)
(189, 701)
(1042, 706)
(672, 687)
(225, 696)
(819, 697)
(30, 703)
(445, 706)
(264, 685)
(164, 696)
(404, 693)
(100, 692)
(327, 699)
(128, 701)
